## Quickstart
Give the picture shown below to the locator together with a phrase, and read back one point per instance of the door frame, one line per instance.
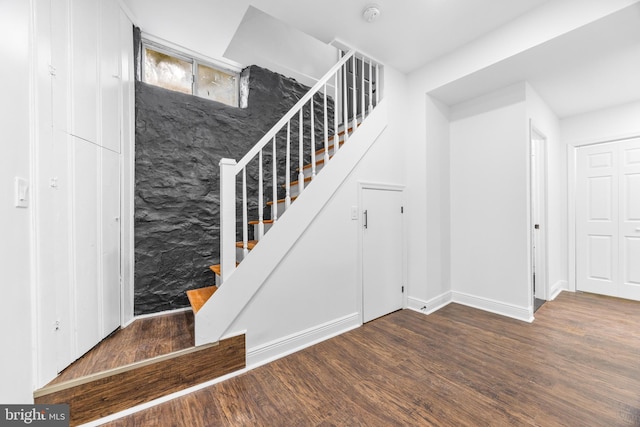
(365, 185)
(541, 202)
(572, 171)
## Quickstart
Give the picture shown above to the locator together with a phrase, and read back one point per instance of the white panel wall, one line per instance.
(77, 170)
(16, 314)
(84, 65)
(315, 291)
(545, 121)
(489, 204)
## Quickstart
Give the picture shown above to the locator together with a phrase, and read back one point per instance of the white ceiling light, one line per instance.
(371, 13)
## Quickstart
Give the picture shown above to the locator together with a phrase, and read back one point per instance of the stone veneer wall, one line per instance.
(180, 140)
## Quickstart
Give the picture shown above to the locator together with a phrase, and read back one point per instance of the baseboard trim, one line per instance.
(430, 306)
(559, 286)
(515, 312)
(265, 353)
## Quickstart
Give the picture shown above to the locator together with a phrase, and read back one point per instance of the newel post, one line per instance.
(227, 218)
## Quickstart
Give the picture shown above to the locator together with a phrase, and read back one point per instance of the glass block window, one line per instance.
(178, 72)
(217, 85)
(167, 71)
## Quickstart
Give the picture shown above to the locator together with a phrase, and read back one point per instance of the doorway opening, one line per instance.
(538, 221)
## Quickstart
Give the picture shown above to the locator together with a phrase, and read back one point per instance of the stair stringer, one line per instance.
(218, 313)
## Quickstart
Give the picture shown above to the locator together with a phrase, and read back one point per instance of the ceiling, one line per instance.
(594, 67)
(408, 33)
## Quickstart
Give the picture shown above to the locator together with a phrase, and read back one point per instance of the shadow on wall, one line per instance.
(180, 140)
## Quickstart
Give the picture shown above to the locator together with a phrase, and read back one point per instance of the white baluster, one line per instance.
(362, 92)
(260, 198)
(287, 184)
(326, 128)
(300, 153)
(345, 101)
(274, 206)
(370, 87)
(245, 220)
(377, 85)
(313, 140)
(354, 99)
(336, 108)
(227, 218)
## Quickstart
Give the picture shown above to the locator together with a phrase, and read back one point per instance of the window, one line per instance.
(170, 70)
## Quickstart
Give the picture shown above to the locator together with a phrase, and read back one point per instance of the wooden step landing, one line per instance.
(106, 393)
(197, 297)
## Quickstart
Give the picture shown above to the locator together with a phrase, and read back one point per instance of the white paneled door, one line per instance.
(608, 219)
(381, 252)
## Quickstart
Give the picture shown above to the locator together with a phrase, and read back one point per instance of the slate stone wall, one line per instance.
(180, 140)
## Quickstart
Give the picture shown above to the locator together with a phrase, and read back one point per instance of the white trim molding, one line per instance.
(432, 305)
(281, 347)
(509, 310)
(559, 286)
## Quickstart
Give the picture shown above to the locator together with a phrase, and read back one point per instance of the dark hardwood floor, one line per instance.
(143, 339)
(578, 364)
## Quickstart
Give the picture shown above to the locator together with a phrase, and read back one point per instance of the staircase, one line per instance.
(285, 162)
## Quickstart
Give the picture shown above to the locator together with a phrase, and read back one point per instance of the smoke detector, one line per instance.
(371, 13)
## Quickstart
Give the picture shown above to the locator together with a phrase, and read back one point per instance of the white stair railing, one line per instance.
(350, 94)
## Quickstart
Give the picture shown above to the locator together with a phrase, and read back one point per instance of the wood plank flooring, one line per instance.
(143, 339)
(578, 364)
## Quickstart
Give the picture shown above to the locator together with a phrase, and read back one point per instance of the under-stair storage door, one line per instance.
(381, 252)
(608, 219)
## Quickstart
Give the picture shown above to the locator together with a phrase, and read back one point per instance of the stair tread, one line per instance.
(270, 202)
(197, 297)
(331, 148)
(309, 165)
(264, 221)
(250, 244)
(216, 268)
(294, 183)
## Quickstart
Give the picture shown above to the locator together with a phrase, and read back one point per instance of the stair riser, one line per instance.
(267, 226)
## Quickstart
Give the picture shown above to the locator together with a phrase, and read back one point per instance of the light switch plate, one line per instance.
(21, 192)
(354, 212)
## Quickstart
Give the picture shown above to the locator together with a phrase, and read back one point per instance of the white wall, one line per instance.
(489, 203)
(428, 212)
(603, 125)
(16, 383)
(546, 122)
(314, 292)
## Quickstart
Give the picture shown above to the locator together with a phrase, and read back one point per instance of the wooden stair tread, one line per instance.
(270, 202)
(250, 244)
(216, 268)
(331, 148)
(264, 221)
(294, 183)
(197, 297)
(309, 165)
